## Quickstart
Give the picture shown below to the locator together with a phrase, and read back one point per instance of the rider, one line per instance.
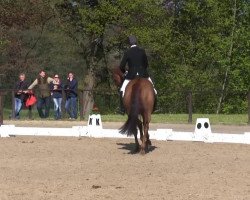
(137, 61)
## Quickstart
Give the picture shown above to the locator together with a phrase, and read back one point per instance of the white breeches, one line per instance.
(126, 81)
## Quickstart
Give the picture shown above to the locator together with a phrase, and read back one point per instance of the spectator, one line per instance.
(20, 94)
(71, 96)
(56, 93)
(43, 82)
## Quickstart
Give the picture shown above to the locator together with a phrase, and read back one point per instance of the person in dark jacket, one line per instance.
(20, 94)
(56, 93)
(43, 83)
(71, 88)
(136, 59)
(137, 63)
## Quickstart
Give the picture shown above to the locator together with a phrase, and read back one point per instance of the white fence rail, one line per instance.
(202, 132)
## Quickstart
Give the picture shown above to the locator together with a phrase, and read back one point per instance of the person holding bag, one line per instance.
(43, 83)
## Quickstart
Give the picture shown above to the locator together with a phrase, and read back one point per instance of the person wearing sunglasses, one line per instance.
(56, 93)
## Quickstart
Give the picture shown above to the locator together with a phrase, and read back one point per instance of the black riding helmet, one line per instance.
(132, 40)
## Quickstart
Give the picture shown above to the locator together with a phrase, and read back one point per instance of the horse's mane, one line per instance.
(117, 76)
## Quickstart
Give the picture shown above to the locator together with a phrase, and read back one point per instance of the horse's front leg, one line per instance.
(137, 146)
(148, 140)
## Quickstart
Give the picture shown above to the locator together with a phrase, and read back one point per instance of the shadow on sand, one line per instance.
(131, 147)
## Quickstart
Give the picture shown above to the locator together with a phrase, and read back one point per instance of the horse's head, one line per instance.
(118, 76)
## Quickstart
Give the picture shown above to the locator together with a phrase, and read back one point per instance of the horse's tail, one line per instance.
(130, 126)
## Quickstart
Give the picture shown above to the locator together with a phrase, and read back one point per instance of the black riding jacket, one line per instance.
(137, 63)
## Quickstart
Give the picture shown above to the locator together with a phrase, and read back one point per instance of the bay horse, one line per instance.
(138, 101)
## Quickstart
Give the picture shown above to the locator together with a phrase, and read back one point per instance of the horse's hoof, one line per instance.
(136, 150)
(149, 142)
(142, 152)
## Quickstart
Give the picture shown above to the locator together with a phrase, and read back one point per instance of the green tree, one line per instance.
(17, 18)
(201, 50)
(199, 46)
(101, 29)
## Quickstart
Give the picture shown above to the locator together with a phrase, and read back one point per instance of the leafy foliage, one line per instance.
(198, 46)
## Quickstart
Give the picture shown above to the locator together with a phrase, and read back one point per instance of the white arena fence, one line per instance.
(202, 132)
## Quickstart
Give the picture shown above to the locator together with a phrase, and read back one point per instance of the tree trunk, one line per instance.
(88, 98)
(1, 108)
(229, 59)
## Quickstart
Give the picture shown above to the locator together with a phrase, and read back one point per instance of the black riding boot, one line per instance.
(122, 109)
(155, 105)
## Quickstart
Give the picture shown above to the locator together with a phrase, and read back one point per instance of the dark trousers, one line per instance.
(43, 103)
(71, 107)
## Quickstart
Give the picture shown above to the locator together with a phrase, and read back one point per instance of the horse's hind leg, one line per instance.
(137, 146)
(141, 133)
(139, 124)
(145, 140)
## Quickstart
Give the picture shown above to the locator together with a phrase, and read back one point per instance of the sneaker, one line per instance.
(72, 118)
